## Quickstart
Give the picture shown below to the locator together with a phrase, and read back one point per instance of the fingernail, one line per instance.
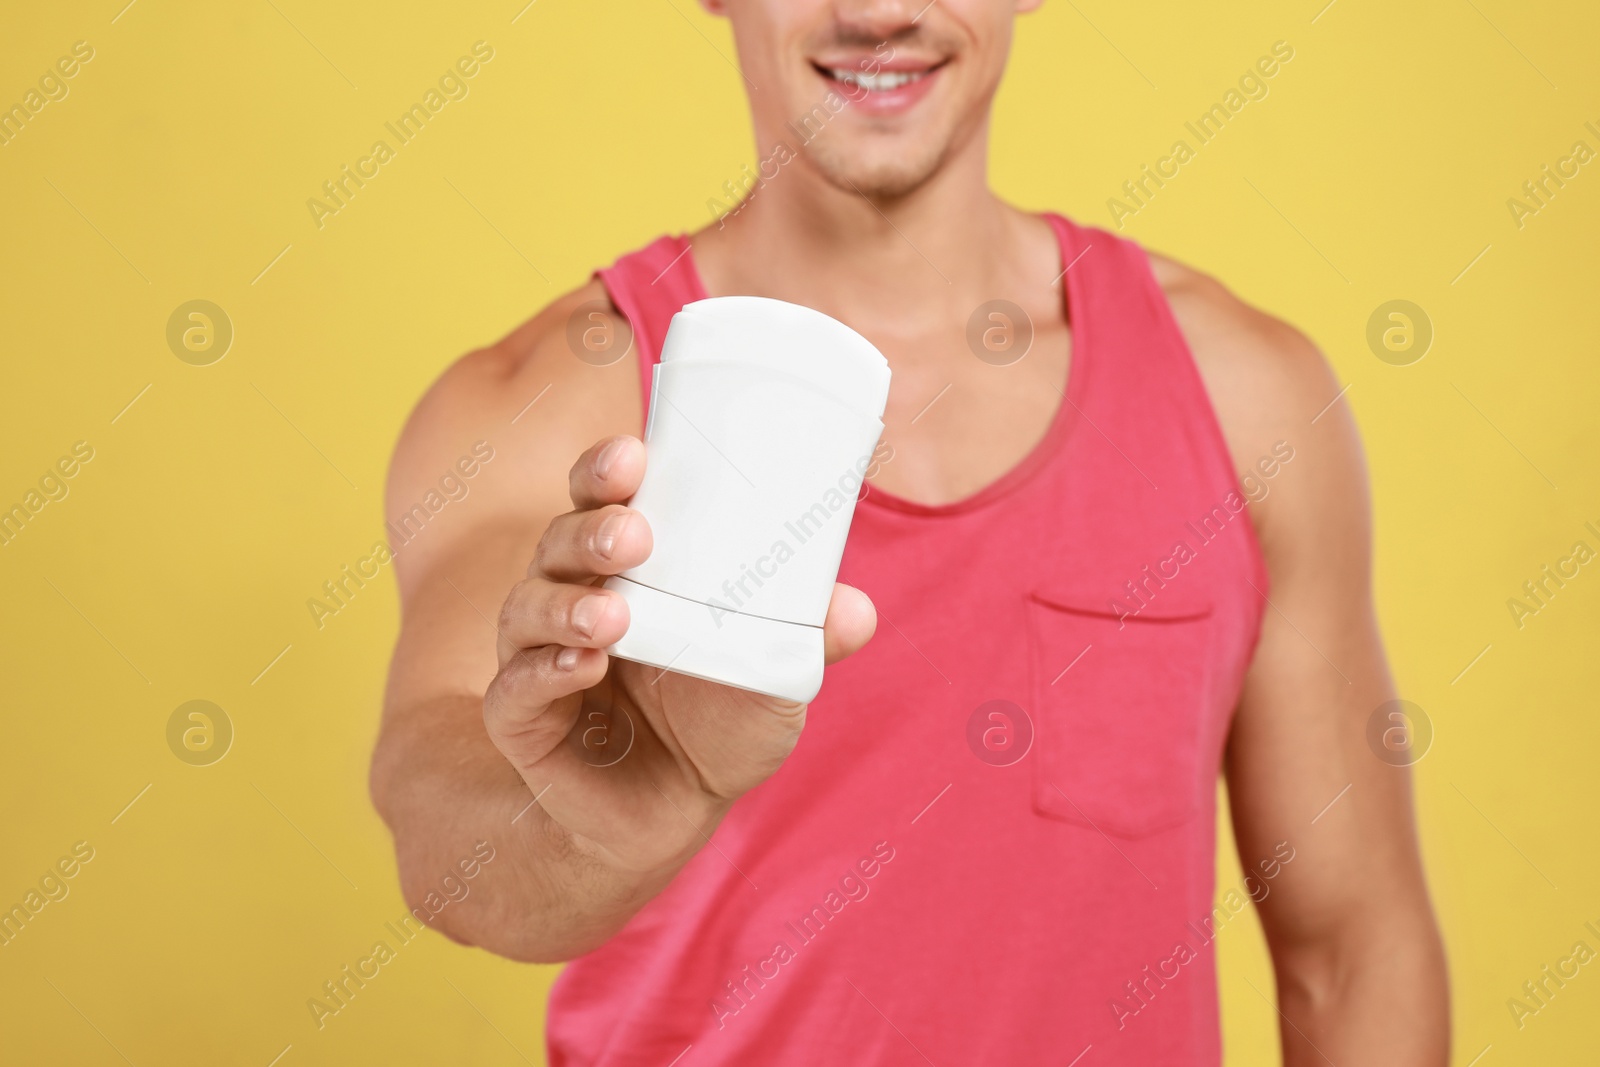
(586, 613)
(605, 538)
(568, 658)
(607, 457)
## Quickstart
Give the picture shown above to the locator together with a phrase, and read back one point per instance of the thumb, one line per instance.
(850, 624)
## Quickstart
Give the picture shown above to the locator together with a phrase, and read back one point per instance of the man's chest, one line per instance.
(963, 410)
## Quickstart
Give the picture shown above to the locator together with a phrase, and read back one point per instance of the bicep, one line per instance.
(1299, 765)
(463, 507)
(516, 416)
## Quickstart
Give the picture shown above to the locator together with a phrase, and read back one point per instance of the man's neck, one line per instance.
(874, 262)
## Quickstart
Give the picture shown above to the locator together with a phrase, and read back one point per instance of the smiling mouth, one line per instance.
(884, 81)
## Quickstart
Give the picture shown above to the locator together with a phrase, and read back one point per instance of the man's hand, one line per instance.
(696, 745)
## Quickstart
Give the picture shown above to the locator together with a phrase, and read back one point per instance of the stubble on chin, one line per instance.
(880, 178)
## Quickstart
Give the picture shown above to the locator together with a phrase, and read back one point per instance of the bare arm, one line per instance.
(500, 656)
(1360, 966)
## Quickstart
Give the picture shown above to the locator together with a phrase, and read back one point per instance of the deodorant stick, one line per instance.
(763, 419)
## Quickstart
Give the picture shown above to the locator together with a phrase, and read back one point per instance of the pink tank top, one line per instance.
(994, 843)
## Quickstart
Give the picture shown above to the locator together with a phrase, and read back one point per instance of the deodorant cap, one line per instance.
(786, 338)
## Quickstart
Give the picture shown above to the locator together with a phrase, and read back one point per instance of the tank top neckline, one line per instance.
(1073, 247)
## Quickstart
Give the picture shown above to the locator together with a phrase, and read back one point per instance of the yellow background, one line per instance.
(179, 566)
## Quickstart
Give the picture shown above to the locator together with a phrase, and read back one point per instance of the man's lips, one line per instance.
(881, 87)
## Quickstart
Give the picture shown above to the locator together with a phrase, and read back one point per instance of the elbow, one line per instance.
(1382, 964)
(383, 779)
(524, 940)
(531, 950)
(503, 912)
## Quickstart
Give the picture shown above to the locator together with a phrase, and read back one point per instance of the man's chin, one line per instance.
(888, 178)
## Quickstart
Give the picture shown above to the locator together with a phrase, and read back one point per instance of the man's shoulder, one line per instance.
(1269, 386)
(528, 396)
(1258, 358)
(485, 379)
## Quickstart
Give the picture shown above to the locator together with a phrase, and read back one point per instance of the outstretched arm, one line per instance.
(500, 671)
(438, 779)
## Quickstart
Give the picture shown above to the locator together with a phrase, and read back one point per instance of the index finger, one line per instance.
(608, 473)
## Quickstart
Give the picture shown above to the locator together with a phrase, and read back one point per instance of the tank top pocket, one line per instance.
(1119, 702)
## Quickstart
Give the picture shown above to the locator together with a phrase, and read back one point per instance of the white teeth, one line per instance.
(876, 83)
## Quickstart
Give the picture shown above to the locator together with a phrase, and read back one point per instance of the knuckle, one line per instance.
(495, 701)
(511, 610)
(541, 552)
(515, 689)
(557, 547)
(516, 679)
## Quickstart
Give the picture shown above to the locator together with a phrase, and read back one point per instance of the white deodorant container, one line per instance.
(764, 416)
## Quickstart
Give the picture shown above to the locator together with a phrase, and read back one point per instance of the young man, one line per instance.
(989, 840)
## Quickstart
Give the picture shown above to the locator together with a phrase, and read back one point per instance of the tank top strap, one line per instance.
(1143, 389)
(649, 287)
